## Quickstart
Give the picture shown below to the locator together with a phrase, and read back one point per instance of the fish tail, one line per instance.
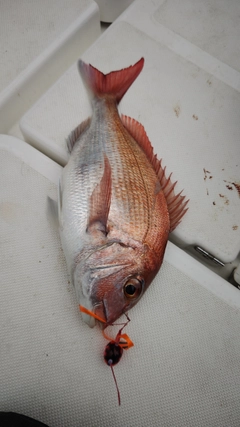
(114, 84)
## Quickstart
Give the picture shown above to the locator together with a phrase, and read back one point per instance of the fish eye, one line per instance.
(133, 288)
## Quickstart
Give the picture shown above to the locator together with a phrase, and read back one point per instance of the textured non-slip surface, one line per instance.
(27, 28)
(183, 370)
(211, 25)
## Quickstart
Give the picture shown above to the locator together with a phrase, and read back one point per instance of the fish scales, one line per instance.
(129, 209)
(114, 202)
(130, 198)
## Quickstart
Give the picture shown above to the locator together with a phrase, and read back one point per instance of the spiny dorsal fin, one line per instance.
(176, 203)
(115, 83)
(100, 201)
(77, 132)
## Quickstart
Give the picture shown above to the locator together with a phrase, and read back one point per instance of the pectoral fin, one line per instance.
(100, 201)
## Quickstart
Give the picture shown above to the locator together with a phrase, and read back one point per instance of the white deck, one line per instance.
(184, 368)
(39, 41)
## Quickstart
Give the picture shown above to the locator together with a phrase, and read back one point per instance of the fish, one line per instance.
(116, 205)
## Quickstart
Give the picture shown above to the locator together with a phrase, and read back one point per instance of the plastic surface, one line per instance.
(189, 105)
(40, 40)
(183, 369)
(111, 9)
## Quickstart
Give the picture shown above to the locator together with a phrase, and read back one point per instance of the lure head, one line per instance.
(113, 353)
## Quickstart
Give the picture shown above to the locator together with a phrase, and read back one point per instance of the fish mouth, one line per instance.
(100, 311)
(89, 320)
(99, 314)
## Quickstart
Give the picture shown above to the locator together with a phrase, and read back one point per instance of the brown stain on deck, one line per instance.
(237, 186)
(177, 110)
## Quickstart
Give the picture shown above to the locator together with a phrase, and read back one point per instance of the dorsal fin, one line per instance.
(77, 132)
(100, 201)
(176, 203)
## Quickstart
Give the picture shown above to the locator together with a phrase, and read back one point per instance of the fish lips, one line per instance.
(108, 295)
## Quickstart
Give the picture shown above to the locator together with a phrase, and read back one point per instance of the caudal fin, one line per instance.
(115, 83)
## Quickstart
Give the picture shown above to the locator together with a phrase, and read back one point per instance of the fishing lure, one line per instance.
(114, 349)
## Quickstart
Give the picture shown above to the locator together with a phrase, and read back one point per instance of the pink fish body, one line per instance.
(116, 206)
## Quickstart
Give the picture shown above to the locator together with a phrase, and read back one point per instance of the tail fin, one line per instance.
(115, 83)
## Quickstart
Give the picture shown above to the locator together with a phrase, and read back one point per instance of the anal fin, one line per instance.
(176, 203)
(100, 201)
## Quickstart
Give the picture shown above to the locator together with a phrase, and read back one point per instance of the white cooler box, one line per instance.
(40, 39)
(184, 367)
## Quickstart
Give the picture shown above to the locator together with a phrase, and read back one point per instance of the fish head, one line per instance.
(114, 279)
(117, 293)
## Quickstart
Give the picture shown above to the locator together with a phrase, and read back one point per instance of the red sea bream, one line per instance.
(116, 205)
